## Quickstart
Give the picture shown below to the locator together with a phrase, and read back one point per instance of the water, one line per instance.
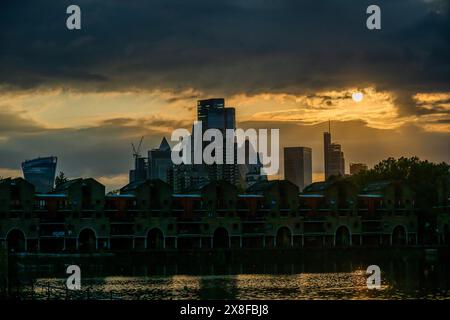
(402, 278)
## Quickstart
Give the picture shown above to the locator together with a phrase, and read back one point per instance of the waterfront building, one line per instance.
(147, 215)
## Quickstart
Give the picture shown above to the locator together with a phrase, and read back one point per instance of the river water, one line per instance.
(410, 278)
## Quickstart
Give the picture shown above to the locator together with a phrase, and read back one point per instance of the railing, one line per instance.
(47, 291)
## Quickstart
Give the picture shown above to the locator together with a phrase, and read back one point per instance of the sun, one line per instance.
(357, 96)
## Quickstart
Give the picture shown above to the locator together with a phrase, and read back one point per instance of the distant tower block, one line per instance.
(298, 166)
(356, 168)
(334, 161)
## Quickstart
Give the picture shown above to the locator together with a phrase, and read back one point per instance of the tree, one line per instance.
(429, 181)
(60, 179)
(114, 192)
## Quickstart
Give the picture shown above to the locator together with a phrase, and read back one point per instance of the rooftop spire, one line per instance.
(164, 146)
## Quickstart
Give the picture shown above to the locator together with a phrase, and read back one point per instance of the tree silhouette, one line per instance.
(60, 179)
(429, 181)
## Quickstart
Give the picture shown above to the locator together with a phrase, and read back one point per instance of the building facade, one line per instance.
(160, 162)
(334, 161)
(78, 216)
(298, 166)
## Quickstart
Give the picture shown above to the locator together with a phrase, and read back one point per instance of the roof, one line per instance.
(317, 186)
(14, 181)
(370, 195)
(67, 185)
(132, 186)
(50, 195)
(261, 186)
(250, 196)
(190, 195)
(376, 186)
(311, 195)
(120, 196)
(164, 146)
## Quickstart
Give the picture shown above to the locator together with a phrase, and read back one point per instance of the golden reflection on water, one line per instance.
(316, 286)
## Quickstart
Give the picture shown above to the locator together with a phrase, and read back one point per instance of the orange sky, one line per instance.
(161, 112)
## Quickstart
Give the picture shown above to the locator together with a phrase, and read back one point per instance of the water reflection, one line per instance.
(401, 279)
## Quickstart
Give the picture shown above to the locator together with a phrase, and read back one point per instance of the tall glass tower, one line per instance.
(41, 173)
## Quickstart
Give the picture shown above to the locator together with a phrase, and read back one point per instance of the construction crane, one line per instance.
(137, 151)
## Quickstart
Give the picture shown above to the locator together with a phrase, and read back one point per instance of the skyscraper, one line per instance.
(326, 148)
(160, 162)
(221, 119)
(298, 166)
(214, 115)
(205, 106)
(334, 162)
(41, 173)
(139, 173)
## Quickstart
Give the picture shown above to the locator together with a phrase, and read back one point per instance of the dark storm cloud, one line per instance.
(227, 47)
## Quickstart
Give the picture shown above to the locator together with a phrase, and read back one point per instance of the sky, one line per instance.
(136, 68)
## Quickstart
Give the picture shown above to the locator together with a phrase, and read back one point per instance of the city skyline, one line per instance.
(314, 142)
(224, 158)
(86, 95)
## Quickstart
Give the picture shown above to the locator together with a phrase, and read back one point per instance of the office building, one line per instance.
(205, 106)
(326, 148)
(160, 162)
(334, 161)
(40, 172)
(214, 115)
(298, 166)
(139, 173)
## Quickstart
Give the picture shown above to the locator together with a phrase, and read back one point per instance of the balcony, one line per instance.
(368, 226)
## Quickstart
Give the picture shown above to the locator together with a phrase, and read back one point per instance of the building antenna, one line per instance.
(329, 126)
